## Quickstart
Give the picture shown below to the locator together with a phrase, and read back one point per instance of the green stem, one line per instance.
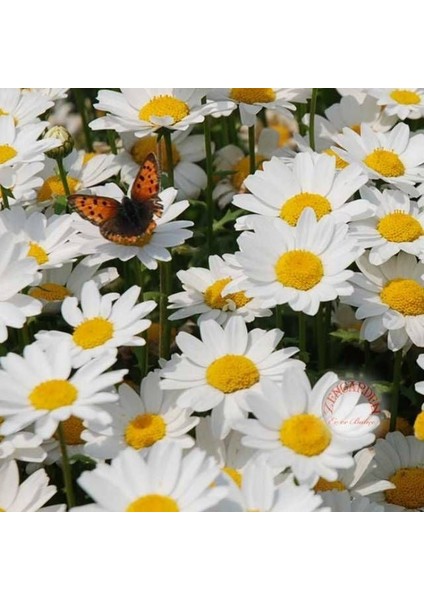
(327, 329)
(279, 316)
(252, 154)
(394, 404)
(111, 141)
(322, 337)
(169, 158)
(312, 112)
(66, 469)
(141, 352)
(209, 186)
(302, 332)
(80, 102)
(63, 176)
(300, 113)
(164, 324)
(5, 196)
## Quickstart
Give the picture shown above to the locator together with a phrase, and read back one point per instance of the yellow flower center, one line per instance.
(53, 186)
(53, 394)
(405, 97)
(284, 134)
(409, 491)
(400, 227)
(299, 269)
(231, 373)
(153, 503)
(419, 427)
(385, 162)
(88, 156)
(305, 434)
(242, 170)
(36, 251)
(235, 475)
(340, 163)
(214, 298)
(164, 106)
(294, 206)
(50, 292)
(322, 485)
(72, 429)
(93, 332)
(145, 430)
(253, 95)
(6, 153)
(144, 146)
(404, 295)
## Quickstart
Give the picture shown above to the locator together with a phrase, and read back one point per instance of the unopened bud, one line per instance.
(66, 142)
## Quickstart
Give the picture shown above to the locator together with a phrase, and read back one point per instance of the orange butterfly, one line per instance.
(129, 221)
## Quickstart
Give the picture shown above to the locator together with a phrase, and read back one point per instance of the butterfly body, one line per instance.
(131, 221)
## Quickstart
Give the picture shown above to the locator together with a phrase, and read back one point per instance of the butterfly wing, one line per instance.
(146, 186)
(96, 209)
(121, 231)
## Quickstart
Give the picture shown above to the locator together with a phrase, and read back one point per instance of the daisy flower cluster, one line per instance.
(211, 300)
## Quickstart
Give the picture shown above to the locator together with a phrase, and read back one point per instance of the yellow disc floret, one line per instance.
(144, 146)
(145, 430)
(242, 170)
(340, 163)
(419, 427)
(322, 485)
(164, 106)
(53, 394)
(400, 227)
(404, 295)
(214, 298)
(253, 95)
(235, 475)
(305, 434)
(72, 429)
(36, 251)
(299, 269)
(53, 187)
(294, 206)
(6, 153)
(93, 332)
(153, 503)
(405, 97)
(231, 373)
(50, 292)
(385, 162)
(409, 491)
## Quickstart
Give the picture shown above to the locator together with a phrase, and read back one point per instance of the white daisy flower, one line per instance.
(145, 110)
(140, 421)
(343, 502)
(68, 280)
(103, 323)
(52, 241)
(17, 271)
(39, 388)
(24, 445)
(205, 294)
(302, 266)
(404, 103)
(51, 93)
(394, 157)
(21, 145)
(24, 108)
(399, 460)
(397, 224)
(83, 170)
(358, 93)
(250, 101)
(189, 178)
(167, 233)
(164, 481)
(312, 181)
(390, 298)
(216, 371)
(30, 495)
(21, 180)
(292, 432)
(72, 431)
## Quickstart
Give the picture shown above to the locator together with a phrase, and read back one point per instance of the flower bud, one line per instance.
(66, 141)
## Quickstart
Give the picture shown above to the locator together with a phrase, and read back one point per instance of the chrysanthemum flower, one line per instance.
(205, 294)
(39, 388)
(397, 224)
(216, 371)
(404, 103)
(22, 145)
(140, 421)
(24, 445)
(21, 180)
(302, 266)
(391, 299)
(164, 481)
(24, 108)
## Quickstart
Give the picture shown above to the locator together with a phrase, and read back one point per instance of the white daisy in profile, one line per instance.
(204, 294)
(17, 271)
(251, 101)
(162, 481)
(28, 496)
(24, 108)
(343, 502)
(312, 181)
(216, 371)
(83, 170)
(39, 387)
(24, 446)
(399, 459)
(22, 145)
(390, 298)
(395, 157)
(145, 110)
(187, 150)
(57, 284)
(140, 421)
(290, 428)
(103, 323)
(21, 181)
(52, 241)
(404, 103)
(168, 233)
(302, 266)
(397, 225)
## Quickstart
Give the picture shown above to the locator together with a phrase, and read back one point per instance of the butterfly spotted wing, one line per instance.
(146, 186)
(96, 209)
